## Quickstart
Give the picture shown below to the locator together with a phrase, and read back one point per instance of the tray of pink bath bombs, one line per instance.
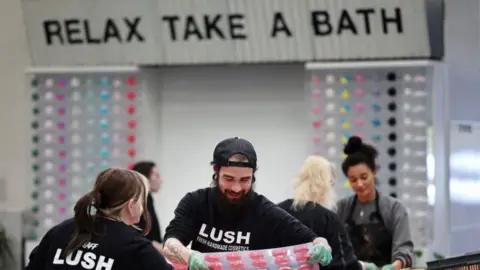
(286, 258)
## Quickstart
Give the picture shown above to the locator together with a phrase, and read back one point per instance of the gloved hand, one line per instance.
(388, 267)
(368, 266)
(321, 254)
(196, 262)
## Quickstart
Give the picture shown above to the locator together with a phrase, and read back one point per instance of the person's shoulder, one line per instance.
(263, 205)
(262, 200)
(66, 226)
(198, 194)
(346, 200)
(391, 203)
(137, 244)
(286, 204)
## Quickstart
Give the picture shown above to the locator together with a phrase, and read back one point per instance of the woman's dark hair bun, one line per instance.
(353, 145)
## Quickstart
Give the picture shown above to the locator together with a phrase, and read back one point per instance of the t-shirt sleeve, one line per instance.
(402, 243)
(147, 257)
(287, 229)
(184, 225)
(38, 256)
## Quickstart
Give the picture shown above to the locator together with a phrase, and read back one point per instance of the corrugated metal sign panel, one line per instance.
(227, 31)
(91, 32)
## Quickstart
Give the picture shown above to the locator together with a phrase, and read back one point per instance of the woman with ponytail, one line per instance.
(377, 224)
(102, 234)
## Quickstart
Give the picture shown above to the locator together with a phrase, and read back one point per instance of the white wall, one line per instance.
(14, 109)
(197, 107)
(13, 119)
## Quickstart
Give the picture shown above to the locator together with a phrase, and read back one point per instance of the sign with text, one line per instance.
(223, 31)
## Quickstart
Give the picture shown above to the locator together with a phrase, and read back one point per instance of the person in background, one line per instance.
(378, 225)
(150, 170)
(312, 204)
(102, 234)
(230, 216)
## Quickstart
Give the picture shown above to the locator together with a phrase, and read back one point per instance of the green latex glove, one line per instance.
(320, 254)
(196, 262)
(388, 267)
(369, 266)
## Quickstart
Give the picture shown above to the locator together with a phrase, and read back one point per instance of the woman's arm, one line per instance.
(402, 243)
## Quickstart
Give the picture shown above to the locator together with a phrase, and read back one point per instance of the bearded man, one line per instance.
(231, 216)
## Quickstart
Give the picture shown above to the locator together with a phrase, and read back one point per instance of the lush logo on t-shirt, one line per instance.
(86, 259)
(223, 240)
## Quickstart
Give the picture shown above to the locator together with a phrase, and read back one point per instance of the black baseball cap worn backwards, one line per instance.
(232, 146)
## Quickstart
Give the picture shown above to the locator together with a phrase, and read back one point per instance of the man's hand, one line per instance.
(321, 253)
(176, 252)
(196, 262)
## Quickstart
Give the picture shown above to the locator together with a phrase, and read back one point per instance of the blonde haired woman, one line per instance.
(312, 204)
(315, 183)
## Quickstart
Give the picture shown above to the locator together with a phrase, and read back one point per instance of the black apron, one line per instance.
(372, 242)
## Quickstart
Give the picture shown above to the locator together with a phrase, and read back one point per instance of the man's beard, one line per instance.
(232, 206)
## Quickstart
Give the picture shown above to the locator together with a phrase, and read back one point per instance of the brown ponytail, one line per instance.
(111, 192)
(85, 222)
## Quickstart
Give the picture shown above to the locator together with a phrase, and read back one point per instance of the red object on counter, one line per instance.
(234, 256)
(212, 258)
(282, 260)
(300, 249)
(279, 252)
(305, 267)
(216, 266)
(256, 255)
(259, 263)
(237, 265)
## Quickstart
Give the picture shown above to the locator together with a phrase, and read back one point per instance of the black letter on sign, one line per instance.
(191, 28)
(88, 35)
(171, 25)
(51, 29)
(237, 25)
(212, 26)
(321, 18)
(71, 29)
(133, 29)
(111, 31)
(346, 23)
(279, 25)
(366, 18)
(396, 20)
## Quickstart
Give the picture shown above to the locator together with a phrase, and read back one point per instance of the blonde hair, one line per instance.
(315, 183)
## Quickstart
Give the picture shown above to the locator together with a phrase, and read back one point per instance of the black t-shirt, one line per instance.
(327, 224)
(116, 246)
(154, 234)
(261, 225)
